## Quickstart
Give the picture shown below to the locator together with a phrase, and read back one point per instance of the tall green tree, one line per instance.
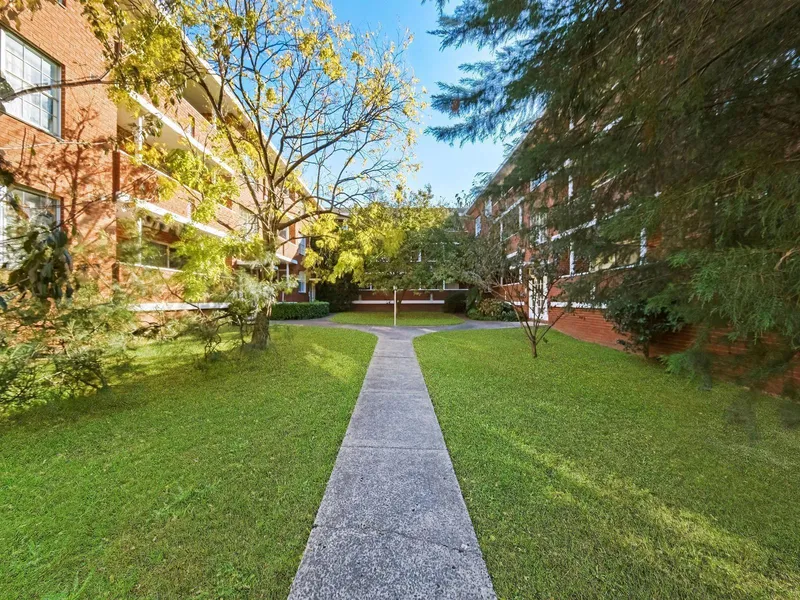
(402, 243)
(665, 121)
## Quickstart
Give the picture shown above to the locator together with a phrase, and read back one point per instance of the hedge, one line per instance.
(300, 310)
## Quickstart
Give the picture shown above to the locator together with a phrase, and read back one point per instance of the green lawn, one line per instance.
(180, 483)
(590, 473)
(407, 319)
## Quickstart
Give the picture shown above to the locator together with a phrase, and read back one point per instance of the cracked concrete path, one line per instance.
(393, 523)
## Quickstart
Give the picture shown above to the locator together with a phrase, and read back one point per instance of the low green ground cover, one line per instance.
(408, 319)
(590, 473)
(179, 483)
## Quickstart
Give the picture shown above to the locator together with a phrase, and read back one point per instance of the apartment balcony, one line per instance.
(140, 185)
(183, 127)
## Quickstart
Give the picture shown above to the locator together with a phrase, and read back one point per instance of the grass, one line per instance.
(590, 473)
(181, 483)
(406, 319)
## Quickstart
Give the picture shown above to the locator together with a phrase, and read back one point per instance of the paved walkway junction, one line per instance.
(393, 523)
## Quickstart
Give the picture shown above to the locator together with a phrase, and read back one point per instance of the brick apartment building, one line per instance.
(63, 150)
(512, 211)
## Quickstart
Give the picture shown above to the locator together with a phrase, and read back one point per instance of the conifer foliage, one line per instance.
(668, 132)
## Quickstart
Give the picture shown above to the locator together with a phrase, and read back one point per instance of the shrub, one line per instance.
(60, 335)
(52, 350)
(456, 303)
(473, 297)
(640, 323)
(300, 310)
(490, 309)
(340, 294)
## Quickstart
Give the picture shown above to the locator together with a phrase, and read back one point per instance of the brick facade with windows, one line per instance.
(76, 162)
(588, 323)
(72, 166)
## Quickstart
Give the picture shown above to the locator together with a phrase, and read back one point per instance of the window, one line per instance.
(37, 208)
(301, 245)
(284, 234)
(477, 226)
(535, 183)
(23, 67)
(510, 224)
(301, 282)
(540, 225)
(488, 208)
(162, 256)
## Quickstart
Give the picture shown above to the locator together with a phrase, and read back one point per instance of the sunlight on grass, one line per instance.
(591, 473)
(179, 482)
(406, 319)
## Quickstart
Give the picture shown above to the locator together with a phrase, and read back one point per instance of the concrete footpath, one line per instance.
(393, 523)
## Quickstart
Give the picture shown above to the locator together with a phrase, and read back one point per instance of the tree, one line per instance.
(661, 120)
(291, 95)
(389, 244)
(522, 270)
(316, 100)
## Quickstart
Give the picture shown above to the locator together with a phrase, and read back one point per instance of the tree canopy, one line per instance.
(660, 121)
(403, 243)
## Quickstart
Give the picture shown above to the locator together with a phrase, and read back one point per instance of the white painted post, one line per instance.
(395, 307)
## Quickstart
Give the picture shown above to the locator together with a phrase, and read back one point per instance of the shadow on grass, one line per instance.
(168, 370)
(179, 482)
(677, 543)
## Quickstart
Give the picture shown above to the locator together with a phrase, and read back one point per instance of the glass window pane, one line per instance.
(25, 67)
(29, 111)
(32, 75)
(14, 66)
(39, 208)
(154, 254)
(176, 261)
(13, 46)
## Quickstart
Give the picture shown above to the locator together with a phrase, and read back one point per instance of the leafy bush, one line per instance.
(59, 334)
(642, 307)
(490, 309)
(51, 350)
(300, 310)
(340, 294)
(248, 296)
(456, 303)
(474, 296)
(639, 322)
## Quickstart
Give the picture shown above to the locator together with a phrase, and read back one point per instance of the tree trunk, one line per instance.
(260, 338)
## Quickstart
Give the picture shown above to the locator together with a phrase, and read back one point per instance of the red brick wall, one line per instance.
(78, 169)
(409, 295)
(589, 325)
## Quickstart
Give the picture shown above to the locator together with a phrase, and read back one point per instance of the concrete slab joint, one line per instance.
(393, 522)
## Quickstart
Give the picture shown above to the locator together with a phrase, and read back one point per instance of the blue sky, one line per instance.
(449, 170)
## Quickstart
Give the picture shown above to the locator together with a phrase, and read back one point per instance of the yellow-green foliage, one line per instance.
(214, 186)
(207, 269)
(378, 237)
